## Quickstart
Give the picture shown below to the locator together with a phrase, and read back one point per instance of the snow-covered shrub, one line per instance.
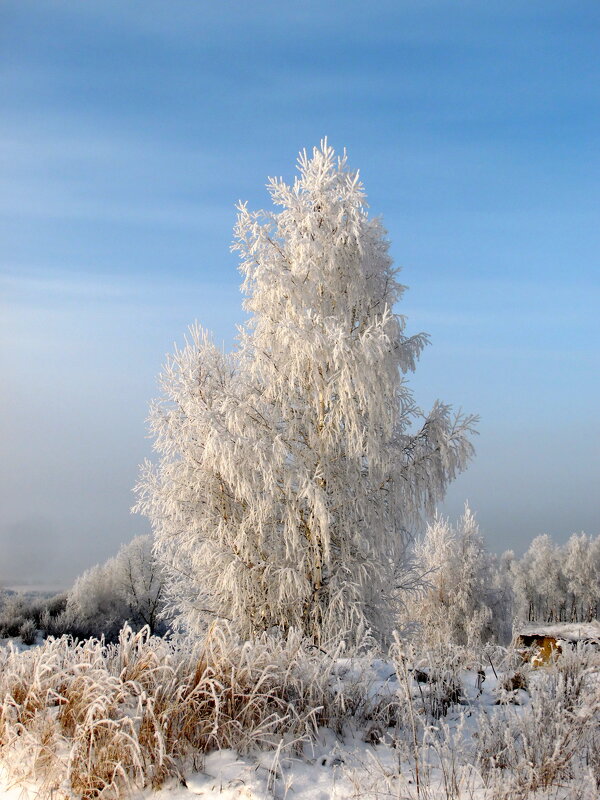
(140, 581)
(436, 673)
(94, 607)
(28, 632)
(17, 608)
(443, 688)
(14, 611)
(49, 610)
(55, 620)
(58, 625)
(290, 473)
(56, 604)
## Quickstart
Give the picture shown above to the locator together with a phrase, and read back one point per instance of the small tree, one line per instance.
(581, 577)
(454, 605)
(435, 552)
(501, 596)
(126, 588)
(289, 479)
(140, 582)
(543, 562)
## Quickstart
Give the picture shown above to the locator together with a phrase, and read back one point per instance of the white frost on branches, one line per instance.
(558, 584)
(455, 605)
(127, 588)
(290, 474)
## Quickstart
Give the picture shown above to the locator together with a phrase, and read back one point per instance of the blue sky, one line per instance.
(128, 131)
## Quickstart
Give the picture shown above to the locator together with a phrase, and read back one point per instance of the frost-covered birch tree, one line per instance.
(292, 471)
(454, 604)
(582, 573)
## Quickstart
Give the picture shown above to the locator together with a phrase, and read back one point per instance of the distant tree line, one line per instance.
(557, 583)
(469, 595)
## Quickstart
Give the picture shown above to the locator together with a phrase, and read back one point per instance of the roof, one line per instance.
(567, 631)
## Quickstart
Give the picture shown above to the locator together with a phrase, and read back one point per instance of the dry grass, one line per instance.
(554, 737)
(101, 720)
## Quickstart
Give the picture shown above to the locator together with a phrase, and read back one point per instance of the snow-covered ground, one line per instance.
(16, 643)
(395, 745)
